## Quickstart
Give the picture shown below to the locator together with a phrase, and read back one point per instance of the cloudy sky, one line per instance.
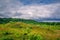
(40, 10)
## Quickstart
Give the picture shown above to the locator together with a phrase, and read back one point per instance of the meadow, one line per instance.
(23, 29)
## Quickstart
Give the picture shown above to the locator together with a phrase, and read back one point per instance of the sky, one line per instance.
(40, 10)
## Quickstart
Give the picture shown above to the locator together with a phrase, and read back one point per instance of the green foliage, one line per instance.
(23, 29)
(6, 20)
(36, 37)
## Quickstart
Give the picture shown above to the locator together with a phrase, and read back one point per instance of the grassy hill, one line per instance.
(22, 29)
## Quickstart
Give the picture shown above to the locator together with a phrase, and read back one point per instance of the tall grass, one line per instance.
(16, 29)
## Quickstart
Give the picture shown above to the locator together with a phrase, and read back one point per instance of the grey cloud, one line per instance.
(14, 8)
(17, 14)
(56, 14)
(9, 6)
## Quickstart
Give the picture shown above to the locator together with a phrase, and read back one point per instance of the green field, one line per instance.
(22, 29)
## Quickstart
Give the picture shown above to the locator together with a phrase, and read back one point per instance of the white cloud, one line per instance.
(16, 9)
(38, 11)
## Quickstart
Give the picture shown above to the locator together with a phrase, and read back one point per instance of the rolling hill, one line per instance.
(23, 29)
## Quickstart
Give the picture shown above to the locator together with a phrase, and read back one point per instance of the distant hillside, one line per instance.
(6, 20)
